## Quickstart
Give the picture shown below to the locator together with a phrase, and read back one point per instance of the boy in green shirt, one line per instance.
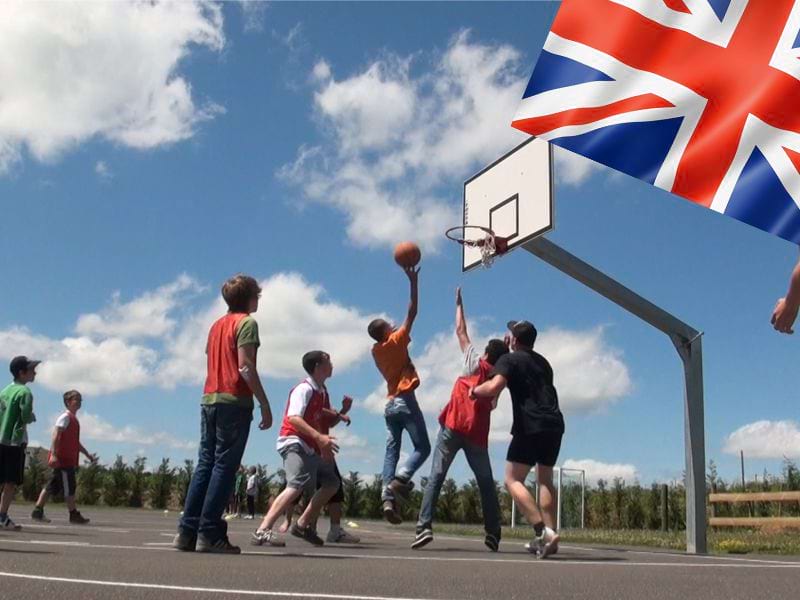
(16, 412)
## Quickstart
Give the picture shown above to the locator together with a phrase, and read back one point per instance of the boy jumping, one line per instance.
(16, 413)
(307, 455)
(536, 431)
(402, 410)
(65, 451)
(465, 426)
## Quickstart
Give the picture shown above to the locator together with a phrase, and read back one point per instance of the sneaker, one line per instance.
(550, 546)
(185, 542)
(8, 525)
(248, 517)
(306, 533)
(266, 537)
(341, 536)
(492, 542)
(221, 546)
(390, 513)
(424, 537)
(76, 518)
(38, 515)
(401, 489)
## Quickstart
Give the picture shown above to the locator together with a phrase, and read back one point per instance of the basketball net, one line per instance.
(483, 238)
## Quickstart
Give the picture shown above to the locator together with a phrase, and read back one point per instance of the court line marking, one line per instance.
(390, 557)
(180, 588)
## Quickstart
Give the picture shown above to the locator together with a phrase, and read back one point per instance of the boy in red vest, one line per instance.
(227, 410)
(64, 455)
(465, 426)
(308, 455)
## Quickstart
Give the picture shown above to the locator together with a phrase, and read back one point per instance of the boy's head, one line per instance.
(523, 334)
(73, 400)
(379, 330)
(318, 364)
(23, 369)
(494, 350)
(252, 470)
(241, 293)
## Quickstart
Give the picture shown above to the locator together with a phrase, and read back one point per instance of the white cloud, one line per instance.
(97, 429)
(80, 70)
(155, 339)
(253, 12)
(294, 317)
(573, 169)
(400, 143)
(103, 171)
(94, 367)
(148, 315)
(588, 374)
(596, 470)
(765, 439)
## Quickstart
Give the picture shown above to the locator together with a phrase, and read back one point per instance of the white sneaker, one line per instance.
(341, 536)
(8, 525)
(248, 517)
(266, 537)
(550, 546)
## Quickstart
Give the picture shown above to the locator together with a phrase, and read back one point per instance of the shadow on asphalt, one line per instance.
(15, 551)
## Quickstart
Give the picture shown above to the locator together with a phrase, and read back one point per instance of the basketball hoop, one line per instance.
(483, 238)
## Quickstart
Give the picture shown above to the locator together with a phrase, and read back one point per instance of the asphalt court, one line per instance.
(127, 554)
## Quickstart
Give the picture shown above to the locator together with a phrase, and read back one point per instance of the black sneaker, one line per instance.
(492, 542)
(221, 546)
(424, 537)
(185, 542)
(390, 513)
(38, 515)
(76, 518)
(307, 534)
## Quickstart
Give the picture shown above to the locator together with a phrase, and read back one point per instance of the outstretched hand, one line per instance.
(412, 273)
(783, 316)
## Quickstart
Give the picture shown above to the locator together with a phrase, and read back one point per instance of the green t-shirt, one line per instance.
(16, 411)
(246, 333)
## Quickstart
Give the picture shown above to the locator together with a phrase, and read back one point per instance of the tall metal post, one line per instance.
(583, 499)
(686, 340)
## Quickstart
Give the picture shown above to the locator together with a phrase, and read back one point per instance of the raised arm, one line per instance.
(247, 367)
(461, 323)
(785, 312)
(413, 278)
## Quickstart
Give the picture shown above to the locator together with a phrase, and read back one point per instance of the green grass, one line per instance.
(731, 541)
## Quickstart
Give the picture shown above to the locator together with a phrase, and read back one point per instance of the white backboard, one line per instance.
(513, 197)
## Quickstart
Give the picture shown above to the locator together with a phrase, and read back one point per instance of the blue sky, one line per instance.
(297, 143)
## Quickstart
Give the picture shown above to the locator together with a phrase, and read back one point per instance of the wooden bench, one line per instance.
(753, 521)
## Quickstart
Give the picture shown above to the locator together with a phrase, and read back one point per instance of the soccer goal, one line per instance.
(570, 497)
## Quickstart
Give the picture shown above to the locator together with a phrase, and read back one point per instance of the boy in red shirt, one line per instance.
(465, 426)
(308, 455)
(64, 455)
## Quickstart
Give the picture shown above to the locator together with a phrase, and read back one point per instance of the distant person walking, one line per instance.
(227, 409)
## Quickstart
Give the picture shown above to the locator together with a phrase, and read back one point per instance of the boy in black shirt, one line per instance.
(536, 431)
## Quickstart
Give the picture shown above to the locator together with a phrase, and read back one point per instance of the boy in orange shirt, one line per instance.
(402, 411)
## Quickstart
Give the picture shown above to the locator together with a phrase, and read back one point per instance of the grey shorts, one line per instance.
(304, 470)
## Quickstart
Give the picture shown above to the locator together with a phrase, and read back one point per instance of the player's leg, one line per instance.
(516, 474)
(51, 488)
(414, 424)
(478, 459)
(549, 446)
(12, 467)
(251, 506)
(394, 433)
(69, 484)
(186, 540)
(447, 446)
(305, 527)
(298, 469)
(338, 534)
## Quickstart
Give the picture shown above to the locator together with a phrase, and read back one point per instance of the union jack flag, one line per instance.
(698, 97)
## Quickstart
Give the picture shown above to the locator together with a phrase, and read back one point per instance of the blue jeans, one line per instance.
(448, 443)
(401, 413)
(223, 435)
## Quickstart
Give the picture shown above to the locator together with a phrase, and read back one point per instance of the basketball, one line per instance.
(407, 254)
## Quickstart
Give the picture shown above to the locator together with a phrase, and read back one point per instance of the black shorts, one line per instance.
(62, 481)
(12, 464)
(338, 497)
(535, 449)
